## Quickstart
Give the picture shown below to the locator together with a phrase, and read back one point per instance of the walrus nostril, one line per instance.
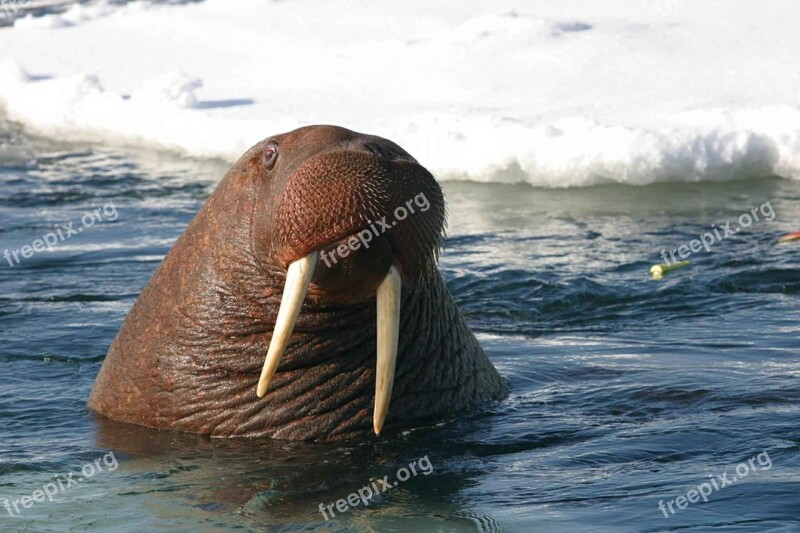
(382, 151)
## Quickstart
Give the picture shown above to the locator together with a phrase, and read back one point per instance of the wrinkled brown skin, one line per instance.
(189, 354)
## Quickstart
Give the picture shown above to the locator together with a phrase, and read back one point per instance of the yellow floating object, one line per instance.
(658, 271)
(789, 238)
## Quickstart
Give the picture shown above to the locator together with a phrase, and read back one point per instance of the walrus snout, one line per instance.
(349, 271)
(360, 198)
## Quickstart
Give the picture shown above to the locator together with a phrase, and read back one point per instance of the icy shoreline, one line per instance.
(556, 94)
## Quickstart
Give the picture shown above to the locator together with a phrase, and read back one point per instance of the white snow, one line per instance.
(553, 92)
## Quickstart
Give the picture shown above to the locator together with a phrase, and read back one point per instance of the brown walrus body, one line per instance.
(189, 353)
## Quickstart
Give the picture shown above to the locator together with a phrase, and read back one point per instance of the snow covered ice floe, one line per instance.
(555, 94)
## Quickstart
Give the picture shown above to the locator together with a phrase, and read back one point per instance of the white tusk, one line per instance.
(298, 279)
(388, 333)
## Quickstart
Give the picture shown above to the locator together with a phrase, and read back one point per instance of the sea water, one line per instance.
(625, 392)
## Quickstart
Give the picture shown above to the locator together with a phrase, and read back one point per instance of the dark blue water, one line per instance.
(626, 392)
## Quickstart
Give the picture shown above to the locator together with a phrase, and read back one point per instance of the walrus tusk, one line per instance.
(388, 333)
(298, 278)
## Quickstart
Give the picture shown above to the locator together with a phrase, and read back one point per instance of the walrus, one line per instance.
(302, 299)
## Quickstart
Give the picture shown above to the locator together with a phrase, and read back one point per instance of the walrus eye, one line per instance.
(270, 155)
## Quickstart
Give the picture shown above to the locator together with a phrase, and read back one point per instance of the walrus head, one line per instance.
(300, 301)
